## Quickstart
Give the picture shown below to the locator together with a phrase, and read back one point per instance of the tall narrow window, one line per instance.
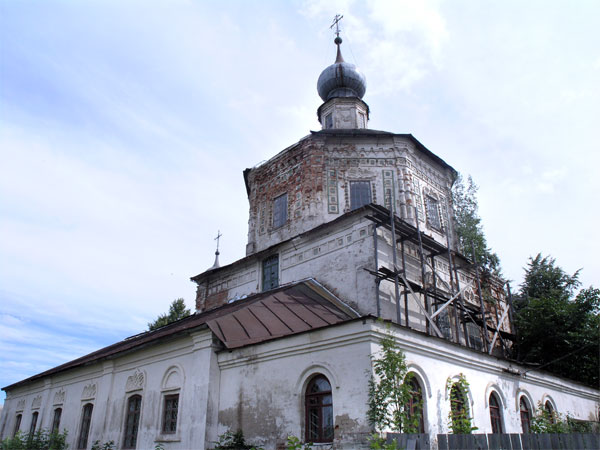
(433, 213)
(171, 405)
(459, 410)
(34, 418)
(443, 322)
(280, 211)
(86, 420)
(329, 121)
(132, 421)
(525, 415)
(415, 403)
(319, 410)
(56, 420)
(474, 336)
(17, 424)
(549, 409)
(360, 194)
(270, 276)
(495, 416)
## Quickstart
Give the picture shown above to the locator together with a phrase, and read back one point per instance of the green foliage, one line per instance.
(177, 311)
(376, 442)
(110, 445)
(468, 227)
(42, 439)
(389, 391)
(459, 417)
(294, 443)
(545, 421)
(233, 440)
(556, 327)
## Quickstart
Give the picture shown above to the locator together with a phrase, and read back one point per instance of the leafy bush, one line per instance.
(42, 439)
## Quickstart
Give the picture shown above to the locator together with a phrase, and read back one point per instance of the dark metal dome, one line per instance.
(341, 79)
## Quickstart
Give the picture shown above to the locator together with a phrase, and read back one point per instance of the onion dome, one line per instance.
(341, 79)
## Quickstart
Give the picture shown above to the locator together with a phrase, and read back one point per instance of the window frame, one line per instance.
(280, 211)
(359, 194)
(85, 425)
(416, 390)
(432, 207)
(56, 420)
(495, 407)
(525, 422)
(165, 411)
(132, 422)
(270, 272)
(17, 427)
(321, 409)
(34, 419)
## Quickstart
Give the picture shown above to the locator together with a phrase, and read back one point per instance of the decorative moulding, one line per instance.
(136, 381)
(37, 402)
(21, 405)
(59, 397)
(89, 392)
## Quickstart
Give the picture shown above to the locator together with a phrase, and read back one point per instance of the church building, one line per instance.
(350, 239)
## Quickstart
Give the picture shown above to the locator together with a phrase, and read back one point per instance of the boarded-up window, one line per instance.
(84, 430)
(360, 194)
(280, 211)
(433, 213)
(171, 405)
(270, 276)
(132, 421)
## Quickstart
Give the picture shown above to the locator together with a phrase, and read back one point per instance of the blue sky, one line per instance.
(125, 127)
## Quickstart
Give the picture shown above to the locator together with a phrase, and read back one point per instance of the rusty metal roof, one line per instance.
(291, 309)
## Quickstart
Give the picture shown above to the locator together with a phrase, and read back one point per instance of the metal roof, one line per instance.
(295, 308)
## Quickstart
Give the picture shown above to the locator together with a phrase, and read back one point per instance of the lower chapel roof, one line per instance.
(287, 310)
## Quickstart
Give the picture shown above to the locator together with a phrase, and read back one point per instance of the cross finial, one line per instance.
(218, 238)
(336, 22)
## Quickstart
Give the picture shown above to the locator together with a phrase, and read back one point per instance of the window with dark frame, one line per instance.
(433, 213)
(56, 420)
(458, 401)
(34, 418)
(495, 416)
(360, 194)
(549, 410)
(132, 421)
(84, 431)
(525, 415)
(415, 402)
(169, 422)
(319, 410)
(270, 272)
(474, 336)
(17, 424)
(280, 210)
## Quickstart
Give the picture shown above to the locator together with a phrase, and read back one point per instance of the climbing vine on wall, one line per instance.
(459, 417)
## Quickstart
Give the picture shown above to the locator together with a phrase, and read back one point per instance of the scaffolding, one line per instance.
(436, 298)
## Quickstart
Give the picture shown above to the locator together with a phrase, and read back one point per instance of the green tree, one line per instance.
(177, 311)
(558, 328)
(468, 226)
(390, 391)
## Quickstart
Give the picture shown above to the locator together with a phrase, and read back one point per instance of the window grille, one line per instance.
(433, 213)
(360, 194)
(171, 405)
(319, 410)
(415, 402)
(132, 421)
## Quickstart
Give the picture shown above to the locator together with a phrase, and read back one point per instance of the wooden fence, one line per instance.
(567, 441)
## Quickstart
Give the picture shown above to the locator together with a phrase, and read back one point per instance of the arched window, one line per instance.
(495, 416)
(525, 415)
(34, 418)
(459, 409)
(319, 410)
(132, 421)
(84, 430)
(56, 420)
(17, 424)
(415, 403)
(549, 410)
